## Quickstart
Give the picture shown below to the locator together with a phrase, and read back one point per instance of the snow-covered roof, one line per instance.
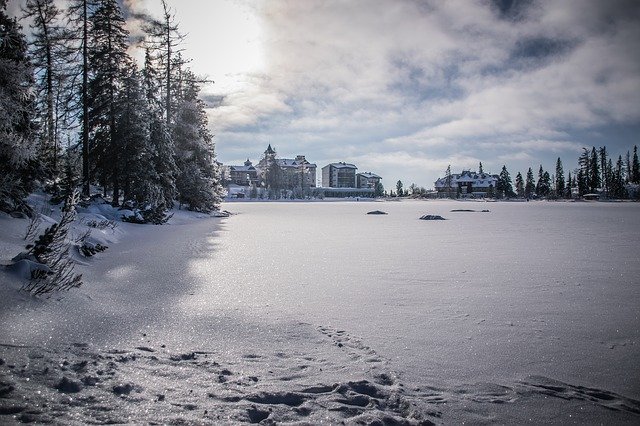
(291, 162)
(369, 175)
(343, 166)
(480, 180)
(242, 168)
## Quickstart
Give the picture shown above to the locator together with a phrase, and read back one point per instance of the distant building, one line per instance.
(245, 175)
(367, 180)
(467, 184)
(293, 172)
(339, 175)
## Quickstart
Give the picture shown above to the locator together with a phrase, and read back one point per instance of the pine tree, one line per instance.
(559, 178)
(163, 41)
(519, 185)
(594, 171)
(618, 188)
(505, 184)
(18, 169)
(530, 186)
(46, 53)
(605, 180)
(448, 180)
(635, 166)
(399, 188)
(108, 64)
(480, 170)
(160, 138)
(78, 15)
(568, 186)
(584, 161)
(198, 179)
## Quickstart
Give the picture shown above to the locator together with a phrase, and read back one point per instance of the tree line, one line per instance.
(76, 110)
(597, 173)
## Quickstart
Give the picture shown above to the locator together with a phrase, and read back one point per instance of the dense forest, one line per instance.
(77, 111)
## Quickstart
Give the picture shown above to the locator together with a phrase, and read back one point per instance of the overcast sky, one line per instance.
(405, 88)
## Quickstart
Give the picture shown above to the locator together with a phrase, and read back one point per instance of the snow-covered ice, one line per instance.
(311, 312)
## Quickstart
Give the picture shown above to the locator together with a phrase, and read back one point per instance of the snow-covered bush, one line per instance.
(50, 252)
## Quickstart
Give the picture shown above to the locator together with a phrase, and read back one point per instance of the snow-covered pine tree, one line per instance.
(519, 185)
(559, 179)
(198, 180)
(108, 65)
(635, 167)
(504, 186)
(160, 138)
(50, 57)
(594, 171)
(52, 249)
(18, 168)
(529, 186)
(78, 24)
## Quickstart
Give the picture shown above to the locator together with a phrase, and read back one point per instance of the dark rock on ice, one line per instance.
(377, 212)
(463, 210)
(432, 217)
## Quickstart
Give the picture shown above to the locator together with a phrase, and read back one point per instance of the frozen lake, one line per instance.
(543, 289)
(317, 312)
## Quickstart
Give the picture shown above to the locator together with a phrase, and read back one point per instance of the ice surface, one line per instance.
(318, 312)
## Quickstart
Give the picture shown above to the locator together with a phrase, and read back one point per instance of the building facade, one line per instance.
(245, 175)
(367, 180)
(467, 184)
(286, 173)
(339, 175)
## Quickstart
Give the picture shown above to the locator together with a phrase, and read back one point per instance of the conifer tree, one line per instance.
(198, 179)
(108, 64)
(160, 138)
(504, 185)
(46, 53)
(635, 166)
(519, 185)
(605, 179)
(480, 170)
(78, 16)
(594, 171)
(584, 161)
(17, 150)
(568, 186)
(530, 186)
(559, 178)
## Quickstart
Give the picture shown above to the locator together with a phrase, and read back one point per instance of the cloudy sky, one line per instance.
(404, 88)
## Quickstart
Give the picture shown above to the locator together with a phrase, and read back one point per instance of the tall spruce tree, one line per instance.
(530, 186)
(594, 171)
(584, 162)
(17, 149)
(109, 62)
(160, 137)
(519, 185)
(198, 179)
(635, 166)
(559, 179)
(78, 16)
(46, 50)
(568, 186)
(504, 185)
